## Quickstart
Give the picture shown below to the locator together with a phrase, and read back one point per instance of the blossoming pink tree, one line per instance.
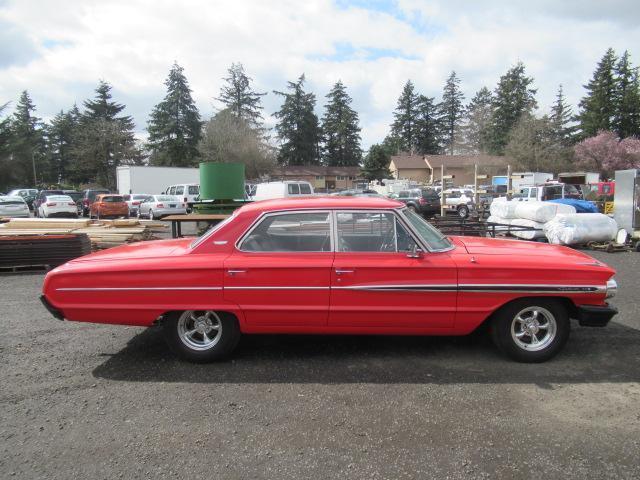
(606, 153)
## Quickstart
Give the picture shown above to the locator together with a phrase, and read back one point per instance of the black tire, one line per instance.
(151, 217)
(412, 208)
(188, 349)
(463, 211)
(505, 328)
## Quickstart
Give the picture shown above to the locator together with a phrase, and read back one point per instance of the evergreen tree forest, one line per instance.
(82, 144)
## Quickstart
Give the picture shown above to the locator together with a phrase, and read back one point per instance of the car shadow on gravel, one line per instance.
(591, 356)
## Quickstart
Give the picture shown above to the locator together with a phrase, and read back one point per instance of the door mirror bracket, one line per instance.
(415, 252)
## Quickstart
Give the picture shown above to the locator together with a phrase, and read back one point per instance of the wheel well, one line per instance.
(161, 318)
(566, 302)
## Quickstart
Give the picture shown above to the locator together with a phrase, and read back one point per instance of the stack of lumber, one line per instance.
(40, 250)
(102, 233)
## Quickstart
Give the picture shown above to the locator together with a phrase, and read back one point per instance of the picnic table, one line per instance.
(178, 220)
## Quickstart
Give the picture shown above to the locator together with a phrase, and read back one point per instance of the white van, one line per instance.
(186, 192)
(547, 191)
(267, 191)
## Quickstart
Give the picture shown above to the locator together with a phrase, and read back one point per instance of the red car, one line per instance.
(335, 265)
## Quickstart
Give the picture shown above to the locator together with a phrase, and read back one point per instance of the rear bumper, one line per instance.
(52, 310)
(65, 214)
(595, 316)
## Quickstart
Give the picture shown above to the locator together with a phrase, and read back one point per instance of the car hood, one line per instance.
(520, 249)
(150, 249)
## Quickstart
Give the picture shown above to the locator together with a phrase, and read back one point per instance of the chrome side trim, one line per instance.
(531, 288)
(277, 288)
(402, 288)
(117, 289)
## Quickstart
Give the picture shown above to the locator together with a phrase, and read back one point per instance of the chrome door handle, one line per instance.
(233, 272)
(340, 272)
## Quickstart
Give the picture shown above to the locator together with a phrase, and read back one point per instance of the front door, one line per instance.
(279, 275)
(377, 283)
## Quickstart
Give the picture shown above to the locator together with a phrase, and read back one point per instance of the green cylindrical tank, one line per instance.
(221, 181)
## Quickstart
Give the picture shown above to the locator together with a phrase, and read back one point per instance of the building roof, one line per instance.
(321, 202)
(316, 170)
(409, 161)
(436, 161)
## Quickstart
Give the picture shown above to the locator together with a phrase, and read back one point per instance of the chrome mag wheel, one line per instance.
(199, 330)
(533, 328)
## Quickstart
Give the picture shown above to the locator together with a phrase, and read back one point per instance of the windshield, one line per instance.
(430, 235)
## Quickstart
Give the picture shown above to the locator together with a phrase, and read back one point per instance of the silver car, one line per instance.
(134, 200)
(158, 206)
(13, 207)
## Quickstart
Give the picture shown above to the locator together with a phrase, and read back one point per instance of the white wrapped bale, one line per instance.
(527, 234)
(503, 208)
(504, 223)
(541, 212)
(579, 228)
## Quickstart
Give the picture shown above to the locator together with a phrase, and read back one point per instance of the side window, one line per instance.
(533, 192)
(291, 232)
(305, 189)
(371, 232)
(193, 190)
(172, 191)
(179, 190)
(293, 189)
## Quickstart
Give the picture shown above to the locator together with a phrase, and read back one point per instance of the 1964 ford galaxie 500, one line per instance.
(335, 265)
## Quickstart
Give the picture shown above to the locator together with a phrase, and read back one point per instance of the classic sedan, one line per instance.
(335, 265)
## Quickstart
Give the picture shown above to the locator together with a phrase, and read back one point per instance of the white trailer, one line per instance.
(153, 180)
(519, 179)
(579, 178)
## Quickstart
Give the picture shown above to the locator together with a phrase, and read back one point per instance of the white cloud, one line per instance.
(132, 44)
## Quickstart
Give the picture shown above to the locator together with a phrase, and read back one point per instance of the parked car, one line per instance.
(336, 265)
(188, 193)
(88, 197)
(109, 205)
(41, 197)
(74, 194)
(459, 200)
(158, 206)
(13, 206)
(133, 201)
(549, 191)
(424, 201)
(58, 206)
(271, 190)
(29, 195)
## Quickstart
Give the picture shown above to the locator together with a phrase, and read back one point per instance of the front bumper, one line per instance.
(52, 310)
(595, 316)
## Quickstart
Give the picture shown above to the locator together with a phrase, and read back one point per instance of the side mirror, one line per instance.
(415, 252)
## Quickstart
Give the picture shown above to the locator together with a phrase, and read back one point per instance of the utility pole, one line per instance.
(33, 164)
(509, 183)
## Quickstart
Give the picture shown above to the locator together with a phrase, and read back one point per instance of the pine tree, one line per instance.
(238, 96)
(297, 126)
(626, 118)
(26, 143)
(513, 98)
(561, 119)
(340, 130)
(175, 127)
(597, 108)
(427, 127)
(5, 135)
(475, 130)
(405, 117)
(376, 163)
(105, 140)
(61, 145)
(451, 111)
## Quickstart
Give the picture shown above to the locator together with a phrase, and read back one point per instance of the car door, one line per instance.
(378, 281)
(278, 274)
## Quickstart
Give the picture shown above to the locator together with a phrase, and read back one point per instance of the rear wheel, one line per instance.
(531, 330)
(201, 335)
(463, 211)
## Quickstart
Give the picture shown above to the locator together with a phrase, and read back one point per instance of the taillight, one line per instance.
(160, 205)
(51, 204)
(186, 199)
(135, 203)
(72, 204)
(422, 200)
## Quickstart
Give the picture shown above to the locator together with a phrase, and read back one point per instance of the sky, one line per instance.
(59, 50)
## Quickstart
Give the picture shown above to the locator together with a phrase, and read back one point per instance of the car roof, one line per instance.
(322, 202)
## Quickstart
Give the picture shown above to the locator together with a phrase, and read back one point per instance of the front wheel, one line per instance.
(531, 330)
(463, 211)
(201, 335)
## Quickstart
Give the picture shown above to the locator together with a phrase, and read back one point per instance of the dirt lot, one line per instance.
(93, 401)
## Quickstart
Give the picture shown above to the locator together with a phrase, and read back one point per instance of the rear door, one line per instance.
(376, 282)
(279, 272)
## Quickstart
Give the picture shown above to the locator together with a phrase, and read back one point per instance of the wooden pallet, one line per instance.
(25, 269)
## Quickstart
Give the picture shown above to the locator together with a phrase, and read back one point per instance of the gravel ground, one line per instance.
(96, 401)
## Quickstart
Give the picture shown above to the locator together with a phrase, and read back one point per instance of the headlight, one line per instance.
(612, 288)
